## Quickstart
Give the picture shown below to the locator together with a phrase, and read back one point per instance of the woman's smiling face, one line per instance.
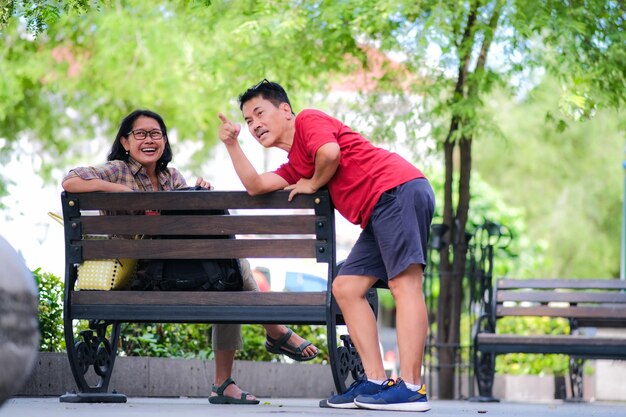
(146, 142)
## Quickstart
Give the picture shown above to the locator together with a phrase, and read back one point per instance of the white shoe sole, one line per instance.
(343, 405)
(416, 406)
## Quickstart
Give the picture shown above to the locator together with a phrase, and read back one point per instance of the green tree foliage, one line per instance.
(182, 59)
(568, 180)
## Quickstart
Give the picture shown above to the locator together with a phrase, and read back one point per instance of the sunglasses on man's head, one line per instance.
(264, 81)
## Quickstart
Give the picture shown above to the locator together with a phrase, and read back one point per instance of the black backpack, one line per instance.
(193, 274)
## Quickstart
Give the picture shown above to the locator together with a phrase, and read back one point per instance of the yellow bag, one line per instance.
(103, 274)
(106, 274)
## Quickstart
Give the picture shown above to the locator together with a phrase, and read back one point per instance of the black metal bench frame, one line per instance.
(598, 303)
(303, 228)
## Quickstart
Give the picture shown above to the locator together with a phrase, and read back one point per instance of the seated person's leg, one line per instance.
(280, 339)
(226, 341)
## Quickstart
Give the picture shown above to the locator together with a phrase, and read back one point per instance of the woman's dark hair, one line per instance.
(119, 153)
(268, 90)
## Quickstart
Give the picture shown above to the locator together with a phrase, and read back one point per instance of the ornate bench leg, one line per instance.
(576, 378)
(92, 349)
(484, 362)
(485, 369)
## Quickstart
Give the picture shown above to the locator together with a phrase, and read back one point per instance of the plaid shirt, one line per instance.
(132, 174)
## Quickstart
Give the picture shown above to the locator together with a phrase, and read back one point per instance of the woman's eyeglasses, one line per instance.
(141, 134)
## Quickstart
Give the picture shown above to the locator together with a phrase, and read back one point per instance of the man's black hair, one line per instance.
(268, 90)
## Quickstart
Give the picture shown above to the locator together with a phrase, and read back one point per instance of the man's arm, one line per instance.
(254, 182)
(327, 160)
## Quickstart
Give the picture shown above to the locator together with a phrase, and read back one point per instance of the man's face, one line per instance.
(267, 123)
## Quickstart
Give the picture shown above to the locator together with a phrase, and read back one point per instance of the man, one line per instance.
(391, 200)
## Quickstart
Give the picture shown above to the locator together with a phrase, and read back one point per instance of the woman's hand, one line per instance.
(202, 183)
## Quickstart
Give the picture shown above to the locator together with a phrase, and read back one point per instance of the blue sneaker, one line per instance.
(395, 396)
(359, 387)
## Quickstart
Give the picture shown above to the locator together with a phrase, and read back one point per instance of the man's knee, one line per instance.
(341, 288)
(408, 282)
(351, 287)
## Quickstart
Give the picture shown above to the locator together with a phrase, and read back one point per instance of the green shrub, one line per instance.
(50, 289)
(254, 343)
(166, 340)
(532, 364)
(194, 341)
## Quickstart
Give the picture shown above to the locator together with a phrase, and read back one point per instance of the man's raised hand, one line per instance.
(229, 131)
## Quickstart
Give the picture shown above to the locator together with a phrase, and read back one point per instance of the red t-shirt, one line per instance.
(364, 173)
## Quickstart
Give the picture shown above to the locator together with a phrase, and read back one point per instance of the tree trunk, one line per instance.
(453, 253)
(450, 277)
(447, 278)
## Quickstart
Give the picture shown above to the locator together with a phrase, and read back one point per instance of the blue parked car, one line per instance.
(300, 281)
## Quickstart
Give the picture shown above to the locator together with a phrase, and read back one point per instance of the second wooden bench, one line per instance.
(585, 303)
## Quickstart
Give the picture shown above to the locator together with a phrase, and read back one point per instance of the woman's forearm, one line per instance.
(79, 185)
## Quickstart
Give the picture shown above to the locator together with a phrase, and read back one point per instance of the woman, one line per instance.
(138, 162)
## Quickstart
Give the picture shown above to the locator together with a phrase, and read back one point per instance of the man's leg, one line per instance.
(411, 322)
(406, 393)
(350, 292)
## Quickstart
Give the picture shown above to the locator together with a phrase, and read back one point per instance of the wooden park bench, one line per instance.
(266, 226)
(585, 303)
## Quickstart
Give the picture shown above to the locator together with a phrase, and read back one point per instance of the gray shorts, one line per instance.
(396, 235)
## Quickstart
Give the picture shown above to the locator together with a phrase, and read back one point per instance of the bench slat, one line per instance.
(583, 346)
(512, 339)
(198, 249)
(290, 314)
(568, 297)
(561, 283)
(201, 307)
(198, 225)
(219, 298)
(604, 312)
(196, 200)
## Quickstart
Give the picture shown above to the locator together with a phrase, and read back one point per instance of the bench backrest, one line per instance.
(266, 226)
(591, 302)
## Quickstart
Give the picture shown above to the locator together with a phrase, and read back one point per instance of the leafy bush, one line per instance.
(254, 343)
(194, 341)
(527, 363)
(50, 289)
(166, 340)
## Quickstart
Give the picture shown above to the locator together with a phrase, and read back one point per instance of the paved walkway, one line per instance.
(199, 407)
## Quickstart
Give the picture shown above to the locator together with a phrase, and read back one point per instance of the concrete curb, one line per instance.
(166, 377)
